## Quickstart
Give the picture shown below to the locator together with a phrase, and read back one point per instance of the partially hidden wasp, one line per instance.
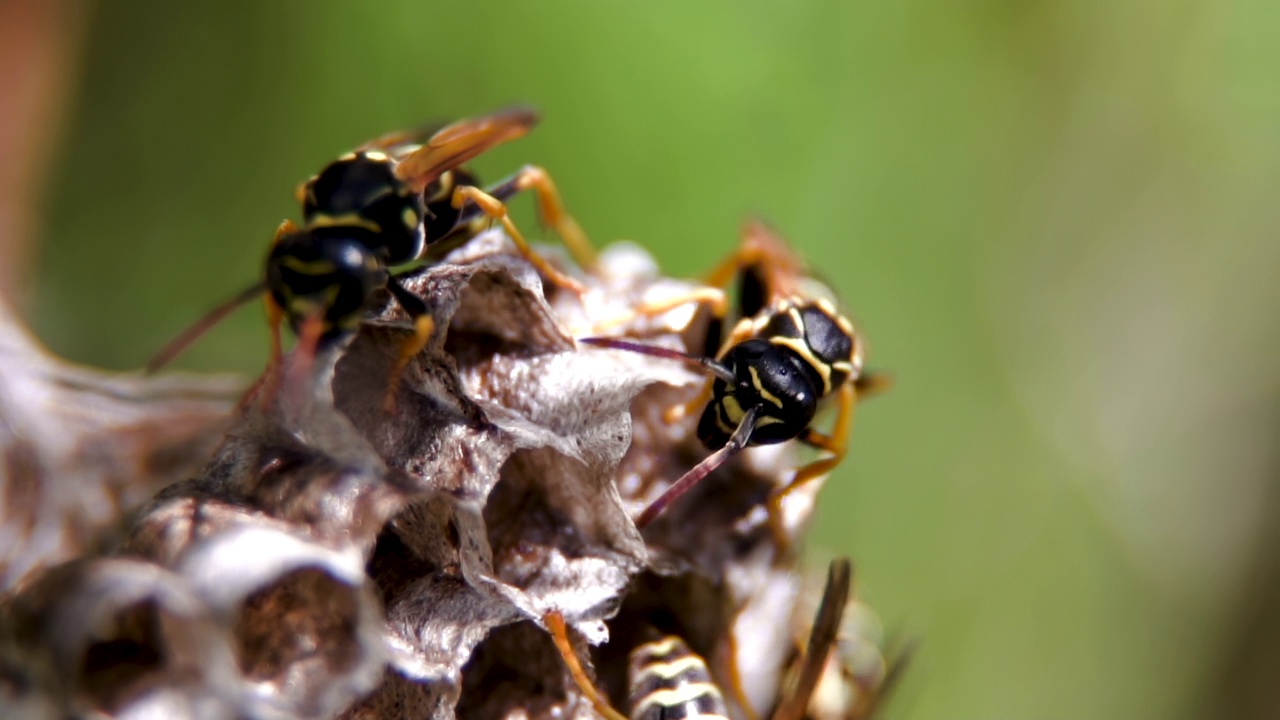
(668, 681)
(790, 350)
(381, 207)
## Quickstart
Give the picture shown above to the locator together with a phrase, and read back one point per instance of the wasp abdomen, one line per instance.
(671, 682)
(827, 334)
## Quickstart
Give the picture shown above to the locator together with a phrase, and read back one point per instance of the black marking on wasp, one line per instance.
(379, 207)
(772, 372)
(668, 681)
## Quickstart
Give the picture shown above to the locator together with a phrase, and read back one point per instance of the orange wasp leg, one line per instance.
(424, 326)
(836, 443)
(560, 635)
(497, 210)
(712, 297)
(712, 293)
(552, 211)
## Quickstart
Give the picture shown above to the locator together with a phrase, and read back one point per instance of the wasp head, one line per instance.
(332, 275)
(771, 377)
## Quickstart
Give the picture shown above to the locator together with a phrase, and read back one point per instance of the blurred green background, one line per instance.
(1056, 222)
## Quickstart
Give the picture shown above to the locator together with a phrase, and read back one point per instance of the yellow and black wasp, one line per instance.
(378, 208)
(668, 681)
(790, 351)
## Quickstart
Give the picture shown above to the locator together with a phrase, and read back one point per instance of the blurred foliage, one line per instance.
(1055, 221)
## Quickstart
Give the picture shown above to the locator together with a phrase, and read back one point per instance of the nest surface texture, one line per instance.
(169, 553)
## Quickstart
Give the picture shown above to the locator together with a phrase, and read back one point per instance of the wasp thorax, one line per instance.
(349, 184)
(361, 191)
(771, 377)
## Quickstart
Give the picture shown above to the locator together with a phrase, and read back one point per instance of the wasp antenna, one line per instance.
(737, 442)
(179, 344)
(712, 366)
(826, 627)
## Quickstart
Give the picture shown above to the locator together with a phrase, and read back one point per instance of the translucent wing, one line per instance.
(461, 141)
(826, 626)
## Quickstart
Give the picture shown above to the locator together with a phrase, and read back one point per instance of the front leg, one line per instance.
(497, 210)
(836, 444)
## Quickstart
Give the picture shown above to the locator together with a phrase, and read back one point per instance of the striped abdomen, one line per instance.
(670, 682)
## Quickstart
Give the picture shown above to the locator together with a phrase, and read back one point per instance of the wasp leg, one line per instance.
(712, 297)
(296, 377)
(836, 443)
(551, 210)
(722, 275)
(741, 332)
(275, 318)
(275, 313)
(766, 253)
(760, 245)
(308, 346)
(424, 326)
(676, 413)
(497, 210)
(560, 635)
(712, 294)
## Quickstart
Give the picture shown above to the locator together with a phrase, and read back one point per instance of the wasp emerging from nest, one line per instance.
(790, 350)
(381, 207)
(668, 681)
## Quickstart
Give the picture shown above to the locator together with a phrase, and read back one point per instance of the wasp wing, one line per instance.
(461, 141)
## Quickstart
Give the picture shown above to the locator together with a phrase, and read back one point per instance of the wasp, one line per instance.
(790, 351)
(668, 681)
(377, 209)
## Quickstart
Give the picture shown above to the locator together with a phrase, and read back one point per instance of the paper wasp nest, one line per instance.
(334, 559)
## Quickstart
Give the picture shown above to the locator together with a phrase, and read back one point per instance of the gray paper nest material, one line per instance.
(79, 446)
(398, 564)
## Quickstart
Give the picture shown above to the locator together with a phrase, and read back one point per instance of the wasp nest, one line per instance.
(336, 559)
